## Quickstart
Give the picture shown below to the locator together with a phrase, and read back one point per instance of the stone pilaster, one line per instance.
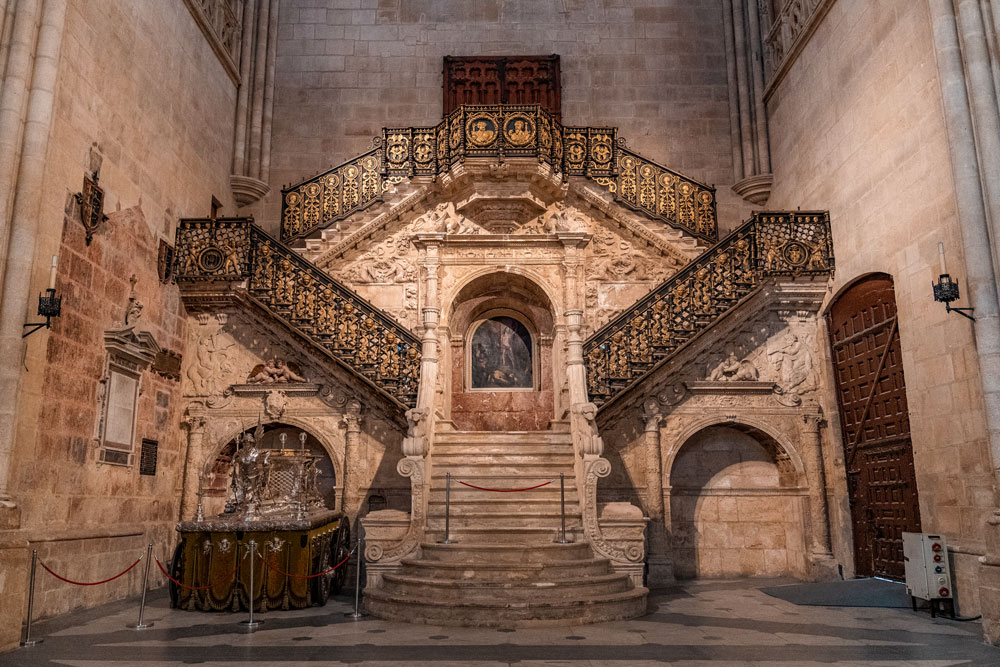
(355, 465)
(193, 466)
(820, 552)
(661, 569)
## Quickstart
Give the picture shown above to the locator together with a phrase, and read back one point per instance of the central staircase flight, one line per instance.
(500, 561)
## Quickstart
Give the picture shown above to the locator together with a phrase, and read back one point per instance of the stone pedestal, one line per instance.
(15, 560)
(989, 582)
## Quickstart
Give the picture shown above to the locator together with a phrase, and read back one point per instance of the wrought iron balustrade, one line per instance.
(499, 132)
(639, 340)
(332, 316)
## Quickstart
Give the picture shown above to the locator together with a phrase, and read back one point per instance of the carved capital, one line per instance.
(353, 418)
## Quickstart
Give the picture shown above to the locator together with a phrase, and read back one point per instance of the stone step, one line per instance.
(498, 554)
(502, 448)
(506, 571)
(465, 591)
(469, 524)
(540, 611)
(526, 537)
(501, 437)
(461, 493)
(529, 473)
(493, 508)
(562, 458)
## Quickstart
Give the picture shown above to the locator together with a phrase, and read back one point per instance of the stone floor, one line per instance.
(719, 622)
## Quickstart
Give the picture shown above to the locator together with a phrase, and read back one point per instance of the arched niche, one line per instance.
(488, 301)
(217, 469)
(736, 507)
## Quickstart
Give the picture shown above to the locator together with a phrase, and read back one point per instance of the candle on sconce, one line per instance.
(944, 267)
(52, 273)
(302, 440)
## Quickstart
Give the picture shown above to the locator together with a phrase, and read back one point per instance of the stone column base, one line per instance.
(660, 573)
(755, 189)
(15, 561)
(823, 567)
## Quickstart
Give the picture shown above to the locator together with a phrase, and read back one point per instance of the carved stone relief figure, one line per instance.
(213, 361)
(733, 369)
(792, 360)
(275, 371)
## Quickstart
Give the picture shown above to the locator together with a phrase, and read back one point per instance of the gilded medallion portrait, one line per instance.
(501, 355)
(519, 130)
(481, 130)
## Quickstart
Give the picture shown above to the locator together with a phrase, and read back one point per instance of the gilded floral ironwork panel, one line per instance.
(770, 244)
(325, 312)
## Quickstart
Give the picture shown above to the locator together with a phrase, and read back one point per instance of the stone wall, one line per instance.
(90, 519)
(346, 68)
(139, 93)
(857, 127)
(729, 515)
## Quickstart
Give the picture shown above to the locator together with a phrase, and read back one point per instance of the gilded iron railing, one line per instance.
(327, 313)
(636, 342)
(499, 132)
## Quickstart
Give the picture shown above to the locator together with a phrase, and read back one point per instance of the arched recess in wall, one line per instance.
(871, 397)
(217, 469)
(502, 374)
(737, 507)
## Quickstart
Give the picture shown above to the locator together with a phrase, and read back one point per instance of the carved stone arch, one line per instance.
(336, 456)
(453, 296)
(781, 449)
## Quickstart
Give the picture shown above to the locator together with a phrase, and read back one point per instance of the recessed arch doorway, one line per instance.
(501, 377)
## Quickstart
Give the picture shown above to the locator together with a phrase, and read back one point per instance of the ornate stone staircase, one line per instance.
(504, 564)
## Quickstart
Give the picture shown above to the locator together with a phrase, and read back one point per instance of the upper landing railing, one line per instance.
(499, 132)
(333, 317)
(642, 338)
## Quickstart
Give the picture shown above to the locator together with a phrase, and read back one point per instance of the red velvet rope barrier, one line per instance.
(89, 583)
(193, 588)
(528, 488)
(309, 576)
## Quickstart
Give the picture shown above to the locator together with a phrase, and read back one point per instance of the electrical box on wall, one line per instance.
(928, 575)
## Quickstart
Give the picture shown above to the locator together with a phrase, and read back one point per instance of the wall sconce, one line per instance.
(49, 305)
(946, 290)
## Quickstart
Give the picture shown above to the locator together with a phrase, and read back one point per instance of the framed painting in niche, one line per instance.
(500, 355)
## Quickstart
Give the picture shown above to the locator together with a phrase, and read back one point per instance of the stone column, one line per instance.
(757, 77)
(658, 558)
(265, 139)
(819, 519)
(576, 372)
(27, 199)
(242, 99)
(13, 101)
(734, 108)
(354, 468)
(252, 143)
(985, 112)
(743, 87)
(193, 466)
(432, 317)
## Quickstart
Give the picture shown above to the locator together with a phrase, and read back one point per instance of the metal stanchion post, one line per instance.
(251, 624)
(447, 509)
(28, 641)
(357, 585)
(145, 584)
(562, 505)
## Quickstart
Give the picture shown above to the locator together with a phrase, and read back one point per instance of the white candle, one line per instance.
(944, 268)
(52, 274)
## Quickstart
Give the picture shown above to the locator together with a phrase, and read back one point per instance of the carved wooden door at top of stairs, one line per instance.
(871, 393)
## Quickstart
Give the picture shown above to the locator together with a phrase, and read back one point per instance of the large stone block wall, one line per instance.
(88, 519)
(729, 515)
(857, 127)
(346, 68)
(139, 86)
